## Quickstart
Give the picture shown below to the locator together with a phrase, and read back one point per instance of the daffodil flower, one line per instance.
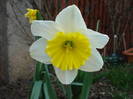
(31, 14)
(67, 44)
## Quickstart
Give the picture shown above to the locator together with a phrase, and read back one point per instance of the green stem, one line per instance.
(86, 86)
(48, 85)
(37, 75)
(68, 91)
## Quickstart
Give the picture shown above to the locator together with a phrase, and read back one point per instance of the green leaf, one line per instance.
(48, 89)
(38, 69)
(86, 85)
(45, 88)
(36, 90)
(39, 16)
(77, 84)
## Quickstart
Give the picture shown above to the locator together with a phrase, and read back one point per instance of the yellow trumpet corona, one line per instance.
(68, 51)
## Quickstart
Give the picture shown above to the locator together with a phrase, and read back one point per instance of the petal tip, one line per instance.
(65, 77)
(107, 40)
(75, 7)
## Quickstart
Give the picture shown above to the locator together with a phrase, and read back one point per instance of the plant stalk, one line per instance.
(86, 85)
(68, 91)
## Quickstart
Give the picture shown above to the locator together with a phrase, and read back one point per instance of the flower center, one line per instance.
(68, 44)
(68, 51)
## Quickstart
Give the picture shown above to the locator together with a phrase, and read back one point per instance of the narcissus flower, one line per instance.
(31, 14)
(67, 44)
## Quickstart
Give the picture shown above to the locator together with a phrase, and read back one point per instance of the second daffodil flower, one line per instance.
(31, 14)
(67, 44)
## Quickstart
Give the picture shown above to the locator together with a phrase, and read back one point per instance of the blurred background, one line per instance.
(111, 17)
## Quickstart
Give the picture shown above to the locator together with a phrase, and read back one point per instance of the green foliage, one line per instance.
(121, 77)
(36, 90)
(39, 16)
(86, 85)
(82, 85)
(38, 72)
(48, 85)
(42, 87)
(99, 76)
(68, 91)
(120, 96)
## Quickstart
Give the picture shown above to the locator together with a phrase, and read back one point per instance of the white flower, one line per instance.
(67, 44)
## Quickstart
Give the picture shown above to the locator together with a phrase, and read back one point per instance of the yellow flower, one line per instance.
(67, 44)
(31, 14)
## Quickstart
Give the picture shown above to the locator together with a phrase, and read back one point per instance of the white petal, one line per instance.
(94, 63)
(65, 77)
(70, 19)
(98, 40)
(37, 51)
(45, 29)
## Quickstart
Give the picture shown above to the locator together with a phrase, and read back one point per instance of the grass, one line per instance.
(121, 95)
(120, 77)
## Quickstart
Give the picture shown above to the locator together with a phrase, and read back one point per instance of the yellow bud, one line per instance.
(31, 14)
